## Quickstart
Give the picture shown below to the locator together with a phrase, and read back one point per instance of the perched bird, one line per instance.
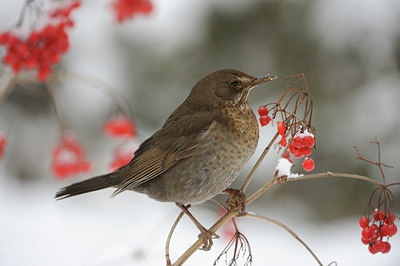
(198, 152)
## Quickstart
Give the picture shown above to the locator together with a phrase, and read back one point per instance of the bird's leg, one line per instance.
(204, 233)
(236, 200)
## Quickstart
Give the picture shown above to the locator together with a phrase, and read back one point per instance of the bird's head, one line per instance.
(225, 87)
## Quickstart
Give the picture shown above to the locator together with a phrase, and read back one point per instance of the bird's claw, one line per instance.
(236, 200)
(207, 238)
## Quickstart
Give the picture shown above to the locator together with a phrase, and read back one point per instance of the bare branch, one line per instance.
(287, 229)
(167, 257)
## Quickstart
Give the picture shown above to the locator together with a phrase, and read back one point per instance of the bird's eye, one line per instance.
(234, 83)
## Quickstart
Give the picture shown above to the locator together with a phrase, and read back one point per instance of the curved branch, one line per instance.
(286, 228)
(171, 231)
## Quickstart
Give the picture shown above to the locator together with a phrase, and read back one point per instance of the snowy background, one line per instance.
(350, 53)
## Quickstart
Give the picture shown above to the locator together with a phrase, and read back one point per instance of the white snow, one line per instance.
(304, 134)
(283, 169)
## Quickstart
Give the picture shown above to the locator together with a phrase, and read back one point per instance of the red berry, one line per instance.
(373, 227)
(287, 157)
(386, 247)
(264, 120)
(283, 141)
(308, 141)
(281, 128)
(3, 143)
(364, 221)
(391, 229)
(125, 9)
(120, 126)
(383, 230)
(263, 110)
(297, 142)
(365, 241)
(389, 218)
(69, 158)
(4, 38)
(308, 164)
(379, 246)
(379, 215)
(292, 149)
(305, 151)
(298, 155)
(371, 249)
(43, 73)
(367, 233)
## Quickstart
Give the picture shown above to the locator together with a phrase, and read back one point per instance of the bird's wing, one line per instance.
(167, 147)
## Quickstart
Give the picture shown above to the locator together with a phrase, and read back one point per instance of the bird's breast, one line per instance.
(223, 151)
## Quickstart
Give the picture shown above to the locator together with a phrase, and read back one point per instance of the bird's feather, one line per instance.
(168, 146)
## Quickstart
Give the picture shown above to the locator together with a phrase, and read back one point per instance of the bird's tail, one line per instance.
(89, 185)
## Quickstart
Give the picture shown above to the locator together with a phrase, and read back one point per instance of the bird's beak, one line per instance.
(262, 79)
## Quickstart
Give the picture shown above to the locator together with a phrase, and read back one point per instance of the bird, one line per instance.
(198, 152)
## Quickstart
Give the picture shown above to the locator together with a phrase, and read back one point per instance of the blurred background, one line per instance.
(350, 54)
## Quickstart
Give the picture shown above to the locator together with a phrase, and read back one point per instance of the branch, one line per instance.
(286, 228)
(274, 181)
(167, 257)
(196, 245)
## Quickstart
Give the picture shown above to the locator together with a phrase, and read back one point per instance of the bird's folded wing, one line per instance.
(167, 147)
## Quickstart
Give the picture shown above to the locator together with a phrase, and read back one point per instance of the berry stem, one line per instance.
(22, 14)
(121, 102)
(51, 88)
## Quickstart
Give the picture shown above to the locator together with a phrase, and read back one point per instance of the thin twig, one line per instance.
(98, 84)
(171, 231)
(330, 174)
(274, 181)
(259, 192)
(290, 231)
(51, 88)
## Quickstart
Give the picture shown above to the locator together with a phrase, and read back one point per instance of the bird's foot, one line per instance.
(236, 200)
(207, 238)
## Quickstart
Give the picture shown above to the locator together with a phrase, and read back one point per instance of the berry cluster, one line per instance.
(125, 9)
(301, 146)
(42, 48)
(3, 143)
(69, 158)
(376, 229)
(121, 127)
(264, 117)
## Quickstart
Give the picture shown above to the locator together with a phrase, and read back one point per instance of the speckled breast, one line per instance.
(230, 142)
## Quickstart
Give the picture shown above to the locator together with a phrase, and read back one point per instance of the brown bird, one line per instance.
(199, 151)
